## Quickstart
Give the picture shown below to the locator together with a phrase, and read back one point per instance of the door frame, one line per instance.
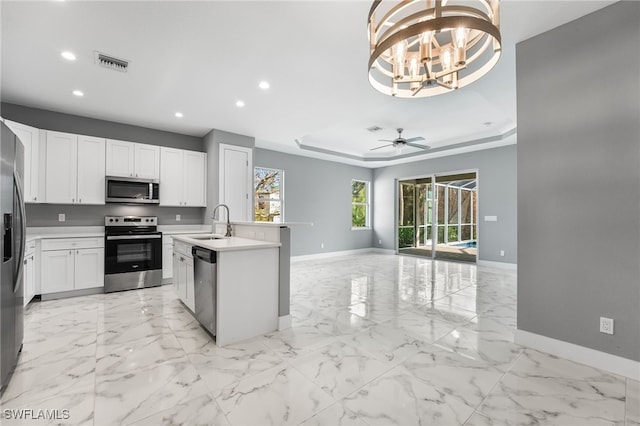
(432, 176)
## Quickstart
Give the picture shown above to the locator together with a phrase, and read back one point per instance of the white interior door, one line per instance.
(236, 165)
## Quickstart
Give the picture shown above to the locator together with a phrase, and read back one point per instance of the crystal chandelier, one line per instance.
(423, 48)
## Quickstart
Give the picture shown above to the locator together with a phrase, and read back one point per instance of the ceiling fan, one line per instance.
(401, 142)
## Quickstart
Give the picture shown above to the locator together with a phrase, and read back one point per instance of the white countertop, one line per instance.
(184, 229)
(39, 232)
(269, 224)
(226, 243)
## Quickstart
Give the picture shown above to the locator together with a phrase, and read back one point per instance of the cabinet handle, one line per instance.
(35, 198)
(80, 200)
(25, 262)
(70, 251)
(73, 200)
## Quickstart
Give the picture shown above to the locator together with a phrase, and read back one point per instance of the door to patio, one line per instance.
(437, 216)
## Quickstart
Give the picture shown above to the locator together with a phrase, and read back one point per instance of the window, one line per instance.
(359, 204)
(269, 195)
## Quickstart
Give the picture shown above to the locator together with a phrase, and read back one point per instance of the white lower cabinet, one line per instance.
(71, 264)
(183, 282)
(29, 272)
(167, 257)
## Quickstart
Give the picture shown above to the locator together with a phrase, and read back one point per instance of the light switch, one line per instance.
(491, 218)
(61, 217)
(178, 218)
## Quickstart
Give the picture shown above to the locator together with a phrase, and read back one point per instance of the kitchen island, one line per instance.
(246, 285)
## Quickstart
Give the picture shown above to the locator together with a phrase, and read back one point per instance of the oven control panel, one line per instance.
(130, 221)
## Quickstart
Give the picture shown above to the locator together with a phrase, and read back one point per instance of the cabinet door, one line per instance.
(91, 170)
(182, 279)
(89, 270)
(119, 158)
(195, 178)
(171, 177)
(189, 290)
(29, 279)
(176, 272)
(147, 161)
(167, 260)
(57, 271)
(61, 168)
(30, 138)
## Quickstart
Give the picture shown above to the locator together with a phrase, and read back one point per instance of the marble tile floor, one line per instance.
(376, 340)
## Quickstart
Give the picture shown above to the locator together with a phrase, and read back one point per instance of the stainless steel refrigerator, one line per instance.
(12, 217)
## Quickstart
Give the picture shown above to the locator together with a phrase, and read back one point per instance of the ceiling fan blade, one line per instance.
(416, 139)
(383, 146)
(415, 145)
(385, 140)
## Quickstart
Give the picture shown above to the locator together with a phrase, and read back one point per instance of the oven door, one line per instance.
(132, 253)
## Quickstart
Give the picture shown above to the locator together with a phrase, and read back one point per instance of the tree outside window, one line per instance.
(268, 195)
(359, 204)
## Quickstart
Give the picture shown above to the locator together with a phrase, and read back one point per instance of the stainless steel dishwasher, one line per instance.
(204, 276)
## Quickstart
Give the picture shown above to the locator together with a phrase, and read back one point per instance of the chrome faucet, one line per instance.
(213, 217)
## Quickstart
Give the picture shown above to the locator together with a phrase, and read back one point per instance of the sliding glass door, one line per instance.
(437, 217)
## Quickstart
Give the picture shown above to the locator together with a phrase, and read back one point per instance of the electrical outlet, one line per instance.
(178, 218)
(501, 252)
(380, 242)
(606, 325)
(321, 245)
(61, 217)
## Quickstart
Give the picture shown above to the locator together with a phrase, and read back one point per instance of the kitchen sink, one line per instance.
(209, 237)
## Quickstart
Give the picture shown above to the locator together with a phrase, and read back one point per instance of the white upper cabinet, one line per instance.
(183, 176)
(61, 168)
(195, 178)
(30, 138)
(120, 158)
(171, 176)
(129, 159)
(74, 168)
(147, 161)
(91, 170)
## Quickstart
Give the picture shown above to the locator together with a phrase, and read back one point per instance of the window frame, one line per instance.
(367, 206)
(257, 199)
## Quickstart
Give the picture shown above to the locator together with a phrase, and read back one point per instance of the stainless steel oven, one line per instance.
(132, 190)
(133, 253)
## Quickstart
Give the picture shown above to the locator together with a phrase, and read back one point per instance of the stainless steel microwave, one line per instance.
(132, 190)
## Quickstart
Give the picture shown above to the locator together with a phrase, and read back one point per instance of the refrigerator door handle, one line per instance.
(23, 225)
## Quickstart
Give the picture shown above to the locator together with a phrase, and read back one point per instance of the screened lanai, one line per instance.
(437, 217)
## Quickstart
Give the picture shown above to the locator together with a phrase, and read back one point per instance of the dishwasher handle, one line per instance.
(205, 255)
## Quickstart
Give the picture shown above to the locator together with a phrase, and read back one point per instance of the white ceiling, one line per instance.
(200, 57)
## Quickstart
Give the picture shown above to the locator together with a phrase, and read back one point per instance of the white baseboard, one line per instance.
(501, 265)
(338, 253)
(581, 354)
(284, 322)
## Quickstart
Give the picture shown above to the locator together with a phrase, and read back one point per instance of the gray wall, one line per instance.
(579, 180)
(212, 141)
(318, 192)
(47, 214)
(496, 197)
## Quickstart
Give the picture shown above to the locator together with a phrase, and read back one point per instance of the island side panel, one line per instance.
(285, 273)
(247, 294)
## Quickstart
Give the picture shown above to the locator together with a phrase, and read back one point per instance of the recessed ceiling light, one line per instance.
(78, 93)
(264, 85)
(239, 104)
(69, 56)
(179, 114)
(487, 123)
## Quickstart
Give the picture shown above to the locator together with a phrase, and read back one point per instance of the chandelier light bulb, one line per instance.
(414, 67)
(426, 46)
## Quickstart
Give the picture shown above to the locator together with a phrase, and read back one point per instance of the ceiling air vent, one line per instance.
(374, 128)
(111, 62)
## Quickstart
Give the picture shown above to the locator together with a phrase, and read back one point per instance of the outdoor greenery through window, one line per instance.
(269, 195)
(359, 204)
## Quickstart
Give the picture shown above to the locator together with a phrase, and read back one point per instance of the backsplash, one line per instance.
(47, 214)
